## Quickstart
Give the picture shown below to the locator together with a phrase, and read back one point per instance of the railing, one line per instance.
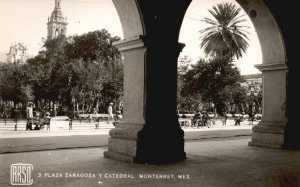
(185, 120)
(95, 117)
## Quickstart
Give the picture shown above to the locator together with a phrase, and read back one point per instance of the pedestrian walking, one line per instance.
(251, 118)
(110, 112)
(238, 119)
(195, 120)
(206, 119)
(48, 119)
(225, 119)
(29, 116)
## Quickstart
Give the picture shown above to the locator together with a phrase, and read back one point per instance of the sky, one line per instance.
(25, 21)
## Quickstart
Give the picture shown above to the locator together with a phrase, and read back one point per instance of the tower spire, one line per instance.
(57, 24)
(57, 4)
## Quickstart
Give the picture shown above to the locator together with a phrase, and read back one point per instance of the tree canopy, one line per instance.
(215, 80)
(224, 34)
(78, 72)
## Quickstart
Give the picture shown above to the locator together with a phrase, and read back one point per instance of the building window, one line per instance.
(56, 32)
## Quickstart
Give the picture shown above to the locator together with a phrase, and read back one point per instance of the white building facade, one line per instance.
(17, 53)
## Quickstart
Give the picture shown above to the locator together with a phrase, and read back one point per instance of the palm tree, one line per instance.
(224, 36)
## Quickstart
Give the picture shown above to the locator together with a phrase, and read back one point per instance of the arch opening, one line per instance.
(273, 67)
(192, 53)
(144, 62)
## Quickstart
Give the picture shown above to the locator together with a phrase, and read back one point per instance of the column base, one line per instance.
(132, 143)
(268, 134)
(266, 140)
(122, 143)
(292, 138)
(160, 146)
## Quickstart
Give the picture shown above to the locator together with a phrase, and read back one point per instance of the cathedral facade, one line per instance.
(57, 23)
(17, 53)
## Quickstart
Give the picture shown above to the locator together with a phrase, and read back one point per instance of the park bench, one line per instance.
(35, 123)
(229, 115)
(80, 118)
(95, 117)
(99, 117)
(246, 116)
(84, 117)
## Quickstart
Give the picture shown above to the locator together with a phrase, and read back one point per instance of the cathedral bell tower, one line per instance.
(57, 24)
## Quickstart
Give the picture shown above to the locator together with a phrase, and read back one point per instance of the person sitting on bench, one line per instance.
(46, 121)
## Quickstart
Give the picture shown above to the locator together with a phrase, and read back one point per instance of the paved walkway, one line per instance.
(216, 157)
(217, 163)
(27, 144)
(61, 128)
(85, 135)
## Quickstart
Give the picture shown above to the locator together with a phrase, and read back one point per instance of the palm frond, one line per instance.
(225, 35)
(203, 31)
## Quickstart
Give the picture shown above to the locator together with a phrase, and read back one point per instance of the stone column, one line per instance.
(161, 139)
(270, 132)
(149, 131)
(122, 143)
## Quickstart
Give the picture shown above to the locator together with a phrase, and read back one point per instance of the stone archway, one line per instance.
(270, 131)
(277, 30)
(275, 26)
(149, 131)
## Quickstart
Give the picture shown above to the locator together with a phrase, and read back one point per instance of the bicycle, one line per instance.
(206, 121)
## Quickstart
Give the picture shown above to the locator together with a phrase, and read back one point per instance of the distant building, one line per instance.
(253, 78)
(17, 53)
(253, 82)
(57, 24)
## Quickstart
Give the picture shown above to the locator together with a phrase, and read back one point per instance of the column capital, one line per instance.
(145, 41)
(130, 43)
(271, 67)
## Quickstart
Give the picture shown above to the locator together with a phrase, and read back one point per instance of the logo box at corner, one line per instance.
(21, 174)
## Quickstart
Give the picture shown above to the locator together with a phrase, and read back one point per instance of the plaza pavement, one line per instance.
(84, 134)
(216, 157)
(223, 162)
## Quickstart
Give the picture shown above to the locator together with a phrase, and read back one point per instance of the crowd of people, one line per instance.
(198, 119)
(201, 119)
(37, 121)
